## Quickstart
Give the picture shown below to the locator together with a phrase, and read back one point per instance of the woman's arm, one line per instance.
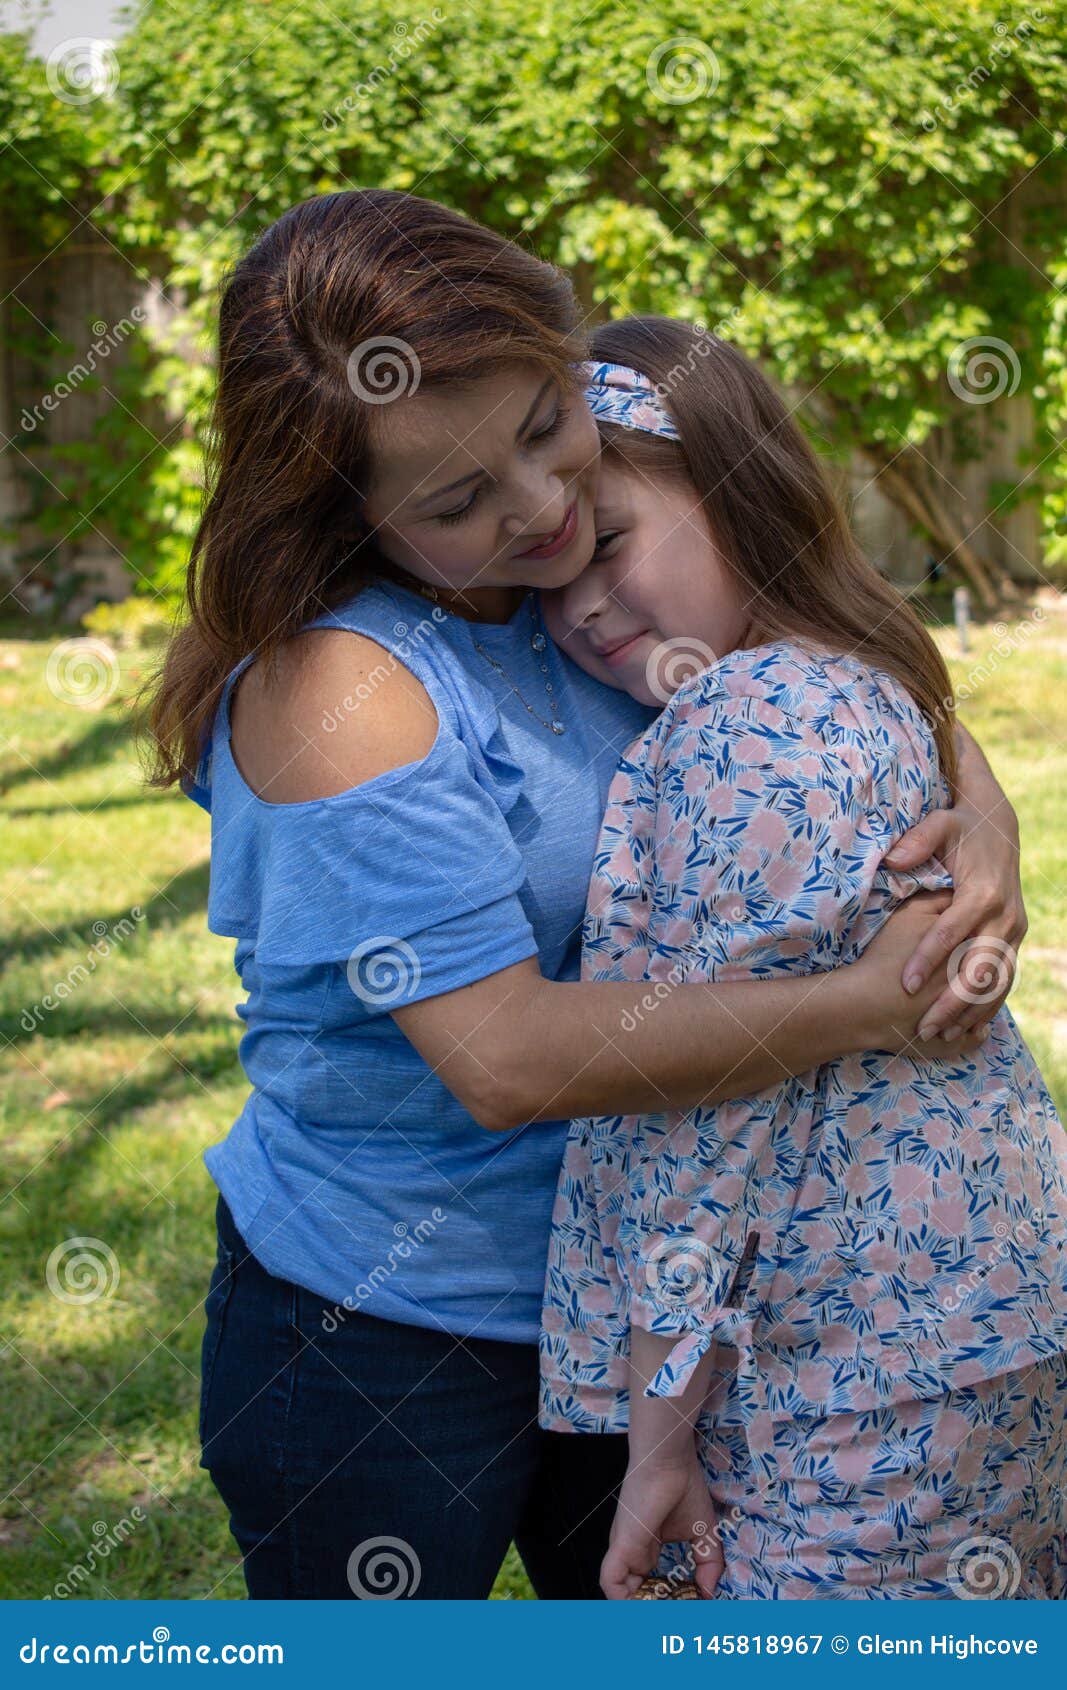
(978, 841)
(516, 1047)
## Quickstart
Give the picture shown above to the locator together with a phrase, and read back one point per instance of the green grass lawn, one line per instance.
(109, 1096)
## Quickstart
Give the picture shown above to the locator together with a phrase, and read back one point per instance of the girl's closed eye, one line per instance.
(553, 426)
(607, 543)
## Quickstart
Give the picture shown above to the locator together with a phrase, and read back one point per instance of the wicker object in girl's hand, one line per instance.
(666, 1590)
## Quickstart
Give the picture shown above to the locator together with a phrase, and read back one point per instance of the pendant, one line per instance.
(556, 726)
(538, 642)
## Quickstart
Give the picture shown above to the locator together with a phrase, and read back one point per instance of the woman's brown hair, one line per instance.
(770, 508)
(342, 296)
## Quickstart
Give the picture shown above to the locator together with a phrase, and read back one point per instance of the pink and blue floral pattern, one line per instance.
(880, 1231)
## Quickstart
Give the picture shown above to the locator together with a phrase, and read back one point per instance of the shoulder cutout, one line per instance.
(338, 710)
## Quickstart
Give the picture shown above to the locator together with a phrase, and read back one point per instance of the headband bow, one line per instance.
(620, 395)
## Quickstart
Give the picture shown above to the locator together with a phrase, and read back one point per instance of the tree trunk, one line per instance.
(904, 478)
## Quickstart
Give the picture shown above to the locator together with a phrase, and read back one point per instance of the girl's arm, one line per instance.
(978, 842)
(664, 1496)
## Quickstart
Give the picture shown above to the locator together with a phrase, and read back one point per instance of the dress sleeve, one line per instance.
(764, 860)
(409, 882)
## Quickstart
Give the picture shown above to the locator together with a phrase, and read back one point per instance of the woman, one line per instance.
(405, 802)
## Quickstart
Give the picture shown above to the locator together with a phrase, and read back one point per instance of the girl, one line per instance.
(854, 1282)
(405, 793)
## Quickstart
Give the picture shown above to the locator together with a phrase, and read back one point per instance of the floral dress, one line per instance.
(876, 1248)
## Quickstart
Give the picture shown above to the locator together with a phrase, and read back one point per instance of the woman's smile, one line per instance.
(563, 536)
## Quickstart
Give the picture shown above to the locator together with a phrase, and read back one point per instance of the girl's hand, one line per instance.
(985, 924)
(889, 1018)
(661, 1503)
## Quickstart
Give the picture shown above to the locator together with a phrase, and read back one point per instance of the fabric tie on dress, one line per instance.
(734, 1328)
(617, 394)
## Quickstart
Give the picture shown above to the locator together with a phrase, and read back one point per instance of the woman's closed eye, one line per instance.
(464, 510)
(553, 426)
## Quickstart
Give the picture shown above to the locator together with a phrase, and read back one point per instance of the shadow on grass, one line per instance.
(61, 1183)
(26, 812)
(183, 896)
(98, 745)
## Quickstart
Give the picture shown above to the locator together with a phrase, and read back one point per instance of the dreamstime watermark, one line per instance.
(408, 40)
(382, 369)
(982, 369)
(82, 1270)
(383, 1569)
(105, 1539)
(1004, 1232)
(1007, 40)
(82, 69)
(82, 672)
(676, 1583)
(982, 969)
(1008, 642)
(673, 662)
(382, 970)
(155, 1651)
(682, 69)
(409, 638)
(108, 938)
(633, 1018)
(409, 1241)
(679, 1270)
(984, 1569)
(108, 337)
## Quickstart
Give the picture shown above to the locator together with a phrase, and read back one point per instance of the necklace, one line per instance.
(538, 645)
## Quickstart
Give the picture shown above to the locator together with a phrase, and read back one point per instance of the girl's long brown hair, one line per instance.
(331, 297)
(771, 509)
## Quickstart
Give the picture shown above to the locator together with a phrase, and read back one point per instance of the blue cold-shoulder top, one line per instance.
(352, 1169)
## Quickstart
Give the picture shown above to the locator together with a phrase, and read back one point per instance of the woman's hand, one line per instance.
(890, 1017)
(661, 1502)
(978, 842)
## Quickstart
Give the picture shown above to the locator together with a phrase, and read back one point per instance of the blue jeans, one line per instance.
(379, 1459)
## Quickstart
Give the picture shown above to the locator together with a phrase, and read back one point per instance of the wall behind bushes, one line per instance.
(870, 201)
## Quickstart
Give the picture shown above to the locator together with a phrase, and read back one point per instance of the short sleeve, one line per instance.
(767, 843)
(409, 882)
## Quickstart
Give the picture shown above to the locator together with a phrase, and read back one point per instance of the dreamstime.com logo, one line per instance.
(105, 1540)
(107, 936)
(158, 1650)
(409, 1240)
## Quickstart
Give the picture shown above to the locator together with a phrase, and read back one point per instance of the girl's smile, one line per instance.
(657, 578)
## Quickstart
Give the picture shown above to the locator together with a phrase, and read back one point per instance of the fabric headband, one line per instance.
(620, 395)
